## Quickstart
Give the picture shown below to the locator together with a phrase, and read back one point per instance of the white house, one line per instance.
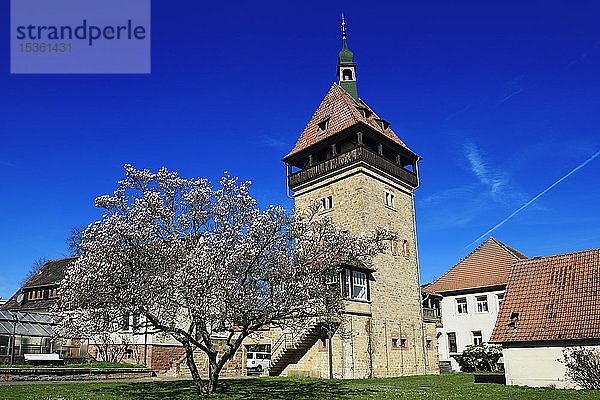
(472, 292)
(551, 303)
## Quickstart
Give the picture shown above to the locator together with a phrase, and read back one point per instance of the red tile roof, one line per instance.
(556, 298)
(342, 110)
(488, 265)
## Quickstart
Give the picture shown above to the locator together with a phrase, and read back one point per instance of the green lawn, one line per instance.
(443, 387)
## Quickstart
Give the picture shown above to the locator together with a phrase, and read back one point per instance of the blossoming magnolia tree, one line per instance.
(194, 260)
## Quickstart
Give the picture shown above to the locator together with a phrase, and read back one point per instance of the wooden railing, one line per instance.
(431, 315)
(355, 155)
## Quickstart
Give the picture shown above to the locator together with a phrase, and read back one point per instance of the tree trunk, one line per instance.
(213, 376)
(191, 363)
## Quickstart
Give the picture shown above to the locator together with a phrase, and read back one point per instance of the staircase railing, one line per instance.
(287, 340)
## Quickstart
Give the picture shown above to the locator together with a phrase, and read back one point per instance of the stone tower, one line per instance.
(350, 161)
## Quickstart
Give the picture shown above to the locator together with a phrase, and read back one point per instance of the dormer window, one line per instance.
(382, 123)
(514, 320)
(322, 126)
(365, 112)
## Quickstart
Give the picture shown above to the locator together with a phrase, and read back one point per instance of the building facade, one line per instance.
(471, 293)
(550, 305)
(350, 162)
(133, 343)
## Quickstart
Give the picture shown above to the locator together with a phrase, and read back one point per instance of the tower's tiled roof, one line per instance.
(343, 112)
(555, 297)
(488, 265)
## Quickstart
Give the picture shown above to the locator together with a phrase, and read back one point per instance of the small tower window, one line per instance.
(390, 200)
(405, 248)
(327, 203)
(394, 247)
(347, 75)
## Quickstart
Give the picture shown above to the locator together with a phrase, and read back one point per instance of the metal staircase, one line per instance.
(291, 346)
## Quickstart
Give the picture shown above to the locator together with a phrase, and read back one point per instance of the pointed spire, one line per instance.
(344, 44)
(346, 68)
(345, 56)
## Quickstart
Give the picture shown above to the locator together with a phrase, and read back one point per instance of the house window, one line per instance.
(452, 346)
(390, 200)
(394, 343)
(477, 338)
(403, 343)
(136, 320)
(482, 304)
(125, 322)
(327, 203)
(355, 284)
(500, 298)
(428, 343)
(461, 305)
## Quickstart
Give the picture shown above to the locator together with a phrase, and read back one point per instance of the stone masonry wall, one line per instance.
(389, 341)
(159, 358)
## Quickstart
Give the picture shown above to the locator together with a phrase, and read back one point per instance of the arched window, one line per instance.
(347, 75)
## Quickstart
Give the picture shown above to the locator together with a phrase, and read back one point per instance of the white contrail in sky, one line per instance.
(499, 224)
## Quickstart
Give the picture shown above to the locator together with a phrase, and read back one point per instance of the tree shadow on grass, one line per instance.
(258, 388)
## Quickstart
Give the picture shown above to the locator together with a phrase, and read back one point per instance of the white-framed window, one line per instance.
(326, 203)
(500, 299)
(477, 338)
(355, 284)
(461, 305)
(482, 304)
(390, 199)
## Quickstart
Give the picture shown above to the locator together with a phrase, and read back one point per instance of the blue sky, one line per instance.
(501, 100)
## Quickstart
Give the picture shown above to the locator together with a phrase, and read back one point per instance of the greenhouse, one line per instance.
(31, 333)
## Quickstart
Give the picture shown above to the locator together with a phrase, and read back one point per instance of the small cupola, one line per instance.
(346, 68)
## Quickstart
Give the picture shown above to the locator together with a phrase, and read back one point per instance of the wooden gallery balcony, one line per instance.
(432, 315)
(353, 156)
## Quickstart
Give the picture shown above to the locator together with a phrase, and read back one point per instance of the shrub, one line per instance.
(583, 366)
(479, 358)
